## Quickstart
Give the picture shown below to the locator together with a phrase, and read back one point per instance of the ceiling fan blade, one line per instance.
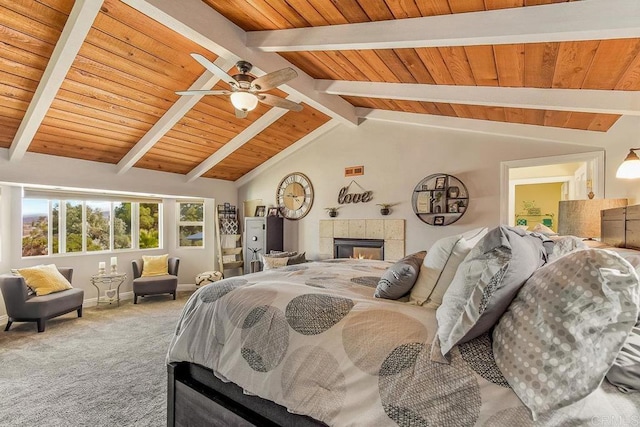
(241, 114)
(271, 80)
(275, 101)
(219, 72)
(203, 92)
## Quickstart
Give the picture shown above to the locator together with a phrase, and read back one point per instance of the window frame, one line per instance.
(180, 223)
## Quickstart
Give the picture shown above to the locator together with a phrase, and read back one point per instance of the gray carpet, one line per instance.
(104, 369)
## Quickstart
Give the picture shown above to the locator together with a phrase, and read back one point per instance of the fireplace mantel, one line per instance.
(390, 230)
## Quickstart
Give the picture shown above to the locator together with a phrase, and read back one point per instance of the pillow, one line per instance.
(570, 320)
(564, 245)
(485, 284)
(269, 262)
(155, 265)
(625, 372)
(543, 229)
(440, 253)
(281, 254)
(296, 258)
(44, 279)
(398, 279)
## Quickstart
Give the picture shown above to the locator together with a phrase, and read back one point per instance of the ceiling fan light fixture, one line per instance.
(244, 101)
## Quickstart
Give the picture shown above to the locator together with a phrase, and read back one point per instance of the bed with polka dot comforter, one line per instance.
(312, 338)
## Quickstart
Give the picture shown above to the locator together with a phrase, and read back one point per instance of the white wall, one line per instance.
(57, 171)
(395, 158)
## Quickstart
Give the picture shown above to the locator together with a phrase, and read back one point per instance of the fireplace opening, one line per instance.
(358, 248)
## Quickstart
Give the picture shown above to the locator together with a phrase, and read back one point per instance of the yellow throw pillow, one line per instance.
(45, 279)
(155, 265)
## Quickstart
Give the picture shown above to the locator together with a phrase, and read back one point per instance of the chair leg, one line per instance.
(41, 324)
(135, 298)
(174, 295)
(9, 322)
(80, 312)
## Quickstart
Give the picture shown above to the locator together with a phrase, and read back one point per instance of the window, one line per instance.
(149, 226)
(83, 226)
(122, 225)
(190, 224)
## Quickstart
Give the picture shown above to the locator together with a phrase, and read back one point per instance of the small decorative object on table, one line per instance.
(101, 267)
(114, 265)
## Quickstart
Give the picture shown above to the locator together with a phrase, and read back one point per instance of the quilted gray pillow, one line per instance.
(485, 284)
(564, 329)
(398, 279)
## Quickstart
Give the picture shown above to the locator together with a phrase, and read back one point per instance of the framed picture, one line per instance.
(454, 192)
(440, 182)
(272, 212)
(260, 210)
(438, 220)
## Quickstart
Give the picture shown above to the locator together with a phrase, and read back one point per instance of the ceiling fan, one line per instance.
(246, 90)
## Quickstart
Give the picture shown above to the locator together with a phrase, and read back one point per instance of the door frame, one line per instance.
(597, 180)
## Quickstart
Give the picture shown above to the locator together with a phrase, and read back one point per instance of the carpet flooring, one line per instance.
(104, 369)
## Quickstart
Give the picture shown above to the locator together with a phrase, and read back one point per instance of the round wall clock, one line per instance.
(294, 196)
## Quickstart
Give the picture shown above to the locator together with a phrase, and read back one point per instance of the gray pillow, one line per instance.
(563, 331)
(398, 279)
(297, 259)
(485, 284)
(625, 372)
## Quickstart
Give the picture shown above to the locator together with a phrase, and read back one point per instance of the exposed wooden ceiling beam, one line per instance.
(584, 100)
(238, 141)
(302, 142)
(582, 20)
(75, 30)
(516, 130)
(202, 24)
(170, 118)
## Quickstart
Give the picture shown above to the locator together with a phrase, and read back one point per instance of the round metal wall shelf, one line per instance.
(440, 199)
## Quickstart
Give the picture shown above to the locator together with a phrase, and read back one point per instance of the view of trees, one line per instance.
(190, 229)
(97, 231)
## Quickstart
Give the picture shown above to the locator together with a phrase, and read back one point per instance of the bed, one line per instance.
(308, 345)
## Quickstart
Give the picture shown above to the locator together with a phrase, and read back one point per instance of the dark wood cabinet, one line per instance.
(261, 236)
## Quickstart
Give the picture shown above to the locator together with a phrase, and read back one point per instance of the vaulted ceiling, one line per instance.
(96, 80)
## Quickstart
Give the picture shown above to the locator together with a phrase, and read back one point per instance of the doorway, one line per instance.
(575, 174)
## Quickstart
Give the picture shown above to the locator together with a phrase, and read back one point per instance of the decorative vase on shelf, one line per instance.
(384, 211)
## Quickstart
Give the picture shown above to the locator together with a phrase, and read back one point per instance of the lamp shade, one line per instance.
(630, 167)
(582, 217)
(244, 101)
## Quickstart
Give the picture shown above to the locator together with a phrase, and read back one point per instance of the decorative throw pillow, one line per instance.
(460, 251)
(485, 284)
(570, 320)
(543, 229)
(155, 265)
(564, 245)
(44, 279)
(440, 253)
(269, 262)
(297, 258)
(625, 372)
(398, 279)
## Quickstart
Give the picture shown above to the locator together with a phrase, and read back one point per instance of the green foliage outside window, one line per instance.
(149, 226)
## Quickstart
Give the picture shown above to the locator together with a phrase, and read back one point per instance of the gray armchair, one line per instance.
(165, 284)
(22, 307)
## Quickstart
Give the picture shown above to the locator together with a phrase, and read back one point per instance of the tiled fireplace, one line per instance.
(358, 248)
(389, 231)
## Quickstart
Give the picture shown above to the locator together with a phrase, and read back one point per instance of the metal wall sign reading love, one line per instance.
(345, 197)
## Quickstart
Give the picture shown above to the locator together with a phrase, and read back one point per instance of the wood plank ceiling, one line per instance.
(122, 82)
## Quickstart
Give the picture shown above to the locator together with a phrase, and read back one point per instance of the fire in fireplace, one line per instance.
(358, 248)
